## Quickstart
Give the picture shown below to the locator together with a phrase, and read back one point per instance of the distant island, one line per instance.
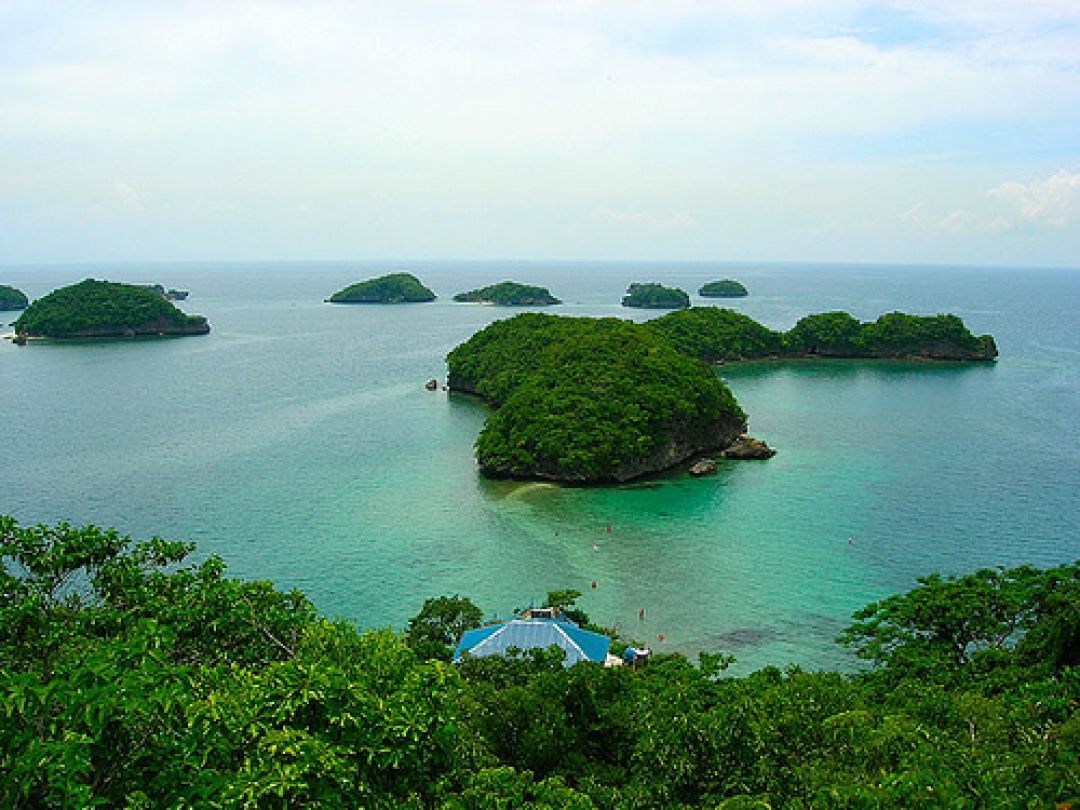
(655, 296)
(12, 299)
(590, 401)
(718, 335)
(725, 288)
(509, 294)
(395, 288)
(105, 309)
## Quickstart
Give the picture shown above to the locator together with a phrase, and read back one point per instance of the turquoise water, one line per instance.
(297, 442)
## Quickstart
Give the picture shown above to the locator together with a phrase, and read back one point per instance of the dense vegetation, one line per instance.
(589, 400)
(655, 296)
(12, 298)
(725, 288)
(131, 677)
(510, 294)
(106, 309)
(718, 335)
(713, 334)
(395, 288)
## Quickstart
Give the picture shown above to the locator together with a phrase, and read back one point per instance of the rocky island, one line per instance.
(510, 294)
(105, 309)
(395, 288)
(725, 288)
(655, 296)
(12, 299)
(590, 401)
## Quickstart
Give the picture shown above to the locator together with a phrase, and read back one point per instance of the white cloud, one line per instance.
(1053, 201)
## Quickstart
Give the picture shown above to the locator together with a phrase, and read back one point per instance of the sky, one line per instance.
(945, 131)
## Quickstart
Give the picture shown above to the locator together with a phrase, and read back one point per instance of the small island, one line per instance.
(725, 288)
(395, 288)
(655, 296)
(169, 294)
(509, 294)
(105, 309)
(590, 401)
(12, 299)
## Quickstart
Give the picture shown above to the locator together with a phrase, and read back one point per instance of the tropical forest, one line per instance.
(141, 675)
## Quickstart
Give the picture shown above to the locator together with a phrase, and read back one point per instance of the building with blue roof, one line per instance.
(535, 628)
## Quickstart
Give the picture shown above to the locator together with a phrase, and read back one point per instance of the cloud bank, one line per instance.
(776, 129)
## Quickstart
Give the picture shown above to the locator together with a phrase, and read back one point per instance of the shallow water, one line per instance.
(297, 442)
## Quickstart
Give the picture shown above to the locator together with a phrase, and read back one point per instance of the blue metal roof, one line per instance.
(526, 634)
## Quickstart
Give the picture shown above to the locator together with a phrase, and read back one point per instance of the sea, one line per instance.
(298, 443)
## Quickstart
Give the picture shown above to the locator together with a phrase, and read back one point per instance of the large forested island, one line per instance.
(167, 683)
(587, 401)
(105, 309)
(655, 296)
(584, 400)
(395, 288)
(725, 288)
(510, 294)
(12, 298)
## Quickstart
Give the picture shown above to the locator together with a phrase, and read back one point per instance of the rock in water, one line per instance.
(747, 447)
(704, 466)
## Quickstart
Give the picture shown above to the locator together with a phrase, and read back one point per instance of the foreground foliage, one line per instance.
(94, 308)
(132, 677)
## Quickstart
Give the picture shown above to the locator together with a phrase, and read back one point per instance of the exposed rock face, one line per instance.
(704, 466)
(747, 448)
(684, 442)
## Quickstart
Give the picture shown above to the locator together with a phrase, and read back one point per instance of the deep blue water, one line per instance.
(297, 442)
